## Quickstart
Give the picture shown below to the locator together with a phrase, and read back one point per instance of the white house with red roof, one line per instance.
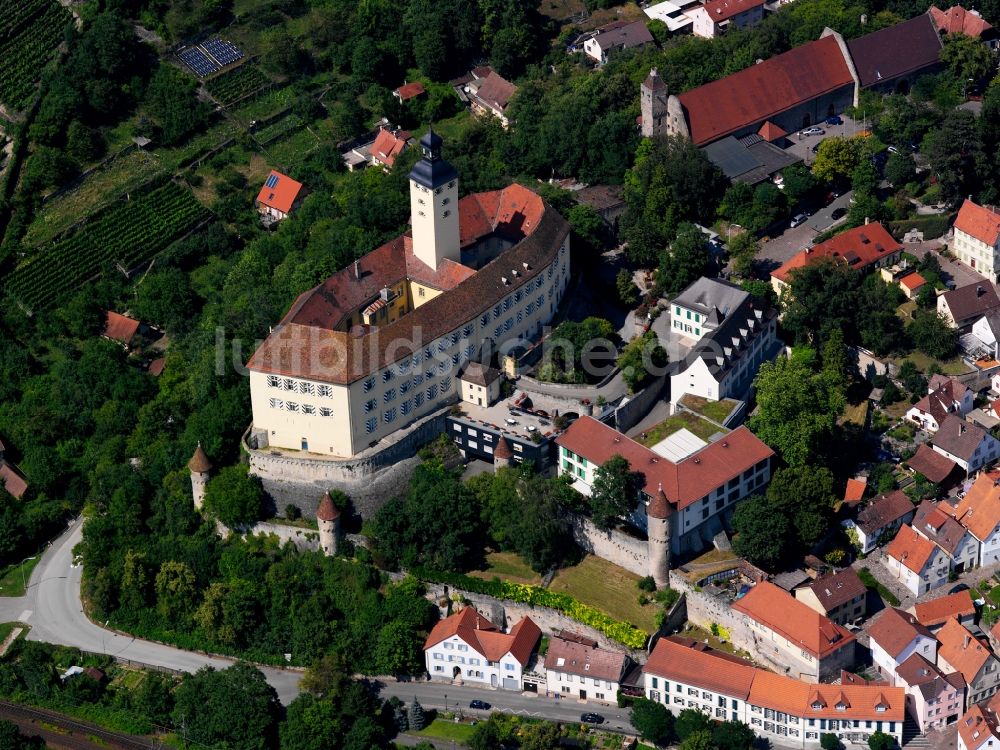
(893, 637)
(916, 562)
(944, 396)
(278, 196)
(388, 145)
(958, 20)
(468, 648)
(977, 238)
(979, 728)
(716, 17)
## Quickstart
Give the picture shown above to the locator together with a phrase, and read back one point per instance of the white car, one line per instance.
(798, 220)
(813, 131)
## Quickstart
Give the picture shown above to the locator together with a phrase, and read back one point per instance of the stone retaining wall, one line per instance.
(615, 546)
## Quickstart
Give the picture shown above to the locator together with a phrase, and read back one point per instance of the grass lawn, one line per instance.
(291, 150)
(7, 627)
(508, 566)
(856, 414)
(701, 635)
(10, 578)
(609, 588)
(265, 105)
(441, 729)
(717, 411)
(953, 366)
(700, 427)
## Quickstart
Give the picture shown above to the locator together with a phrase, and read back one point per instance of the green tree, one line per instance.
(830, 741)
(968, 59)
(733, 735)
(234, 497)
(799, 183)
(11, 738)
(760, 533)
(691, 721)
(900, 169)
(615, 492)
(932, 335)
(175, 591)
(171, 101)
(628, 293)
(954, 150)
(686, 261)
(700, 740)
(540, 736)
(653, 721)
(881, 741)
(641, 359)
(838, 157)
(416, 716)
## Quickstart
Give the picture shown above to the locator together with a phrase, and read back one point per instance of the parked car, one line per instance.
(592, 719)
(835, 120)
(798, 219)
(481, 705)
(959, 587)
(838, 213)
(813, 131)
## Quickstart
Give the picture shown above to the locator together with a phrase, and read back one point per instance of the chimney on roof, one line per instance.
(980, 291)
(357, 270)
(866, 221)
(965, 642)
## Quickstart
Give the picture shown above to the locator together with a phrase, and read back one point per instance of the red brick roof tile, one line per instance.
(119, 328)
(893, 630)
(938, 611)
(12, 481)
(958, 20)
(410, 90)
(859, 248)
(981, 222)
(283, 195)
(911, 549)
(485, 638)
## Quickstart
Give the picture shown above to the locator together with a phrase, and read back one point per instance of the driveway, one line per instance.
(952, 271)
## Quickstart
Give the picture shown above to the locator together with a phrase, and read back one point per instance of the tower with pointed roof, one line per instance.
(328, 519)
(653, 105)
(200, 468)
(658, 513)
(434, 205)
(502, 454)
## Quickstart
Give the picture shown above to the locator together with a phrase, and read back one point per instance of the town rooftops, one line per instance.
(934, 522)
(859, 248)
(684, 482)
(896, 50)
(931, 464)
(943, 393)
(479, 374)
(883, 511)
(723, 10)
(893, 630)
(779, 611)
(485, 638)
(920, 674)
(981, 222)
(761, 91)
(12, 481)
(495, 92)
(938, 611)
(958, 437)
(279, 192)
(911, 549)
(311, 340)
(958, 647)
(971, 301)
(409, 91)
(958, 20)
(622, 35)
(837, 588)
(388, 145)
(913, 281)
(854, 492)
(585, 660)
(978, 725)
(673, 659)
(120, 328)
(979, 510)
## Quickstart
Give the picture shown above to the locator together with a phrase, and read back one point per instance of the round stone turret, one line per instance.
(328, 518)
(658, 513)
(200, 468)
(502, 454)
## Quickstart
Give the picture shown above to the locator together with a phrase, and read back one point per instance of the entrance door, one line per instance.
(305, 444)
(493, 680)
(583, 695)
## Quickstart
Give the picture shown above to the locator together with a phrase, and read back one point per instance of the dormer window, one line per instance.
(880, 708)
(816, 706)
(841, 707)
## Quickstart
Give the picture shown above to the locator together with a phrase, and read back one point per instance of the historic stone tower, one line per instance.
(434, 205)
(200, 468)
(653, 104)
(502, 454)
(328, 518)
(658, 514)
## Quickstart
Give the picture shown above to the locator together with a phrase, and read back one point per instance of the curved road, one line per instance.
(53, 608)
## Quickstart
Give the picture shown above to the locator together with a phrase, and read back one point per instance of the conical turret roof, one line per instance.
(659, 506)
(327, 511)
(653, 81)
(199, 462)
(503, 449)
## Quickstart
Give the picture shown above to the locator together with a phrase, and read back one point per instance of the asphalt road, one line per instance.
(782, 248)
(53, 608)
(434, 694)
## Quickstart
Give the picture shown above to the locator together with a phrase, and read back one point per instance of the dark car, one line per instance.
(835, 120)
(592, 719)
(959, 587)
(481, 705)
(838, 213)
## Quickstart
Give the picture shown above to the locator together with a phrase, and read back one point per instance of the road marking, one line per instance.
(24, 616)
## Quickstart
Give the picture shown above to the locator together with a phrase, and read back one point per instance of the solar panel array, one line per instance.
(272, 181)
(210, 56)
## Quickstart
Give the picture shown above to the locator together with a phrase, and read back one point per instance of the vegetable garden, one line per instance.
(30, 33)
(125, 235)
(235, 85)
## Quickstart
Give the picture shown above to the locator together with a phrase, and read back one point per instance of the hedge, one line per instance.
(933, 226)
(623, 632)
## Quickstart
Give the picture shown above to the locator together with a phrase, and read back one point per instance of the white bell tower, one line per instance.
(434, 205)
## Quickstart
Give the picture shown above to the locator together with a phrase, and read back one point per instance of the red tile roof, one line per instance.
(119, 328)
(883, 511)
(389, 145)
(913, 281)
(485, 638)
(683, 483)
(896, 50)
(495, 92)
(282, 196)
(410, 90)
(672, 659)
(893, 630)
(722, 10)
(855, 491)
(979, 510)
(821, 701)
(12, 480)
(327, 511)
(938, 611)
(762, 91)
(859, 248)
(597, 663)
(981, 222)
(979, 724)
(958, 647)
(512, 212)
(911, 549)
(838, 588)
(155, 367)
(958, 20)
(771, 132)
(779, 611)
(931, 464)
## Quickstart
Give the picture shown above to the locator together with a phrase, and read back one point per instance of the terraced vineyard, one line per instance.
(123, 236)
(30, 33)
(236, 84)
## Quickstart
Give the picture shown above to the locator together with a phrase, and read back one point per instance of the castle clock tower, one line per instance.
(434, 205)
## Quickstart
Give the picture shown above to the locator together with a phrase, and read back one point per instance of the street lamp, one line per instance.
(24, 585)
(446, 703)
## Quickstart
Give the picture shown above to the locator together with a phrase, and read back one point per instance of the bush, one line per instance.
(870, 583)
(933, 226)
(647, 584)
(829, 741)
(292, 512)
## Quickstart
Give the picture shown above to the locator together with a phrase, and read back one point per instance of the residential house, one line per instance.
(490, 96)
(388, 145)
(793, 637)
(977, 238)
(607, 200)
(782, 710)
(934, 699)
(409, 91)
(12, 481)
(979, 512)
(469, 647)
(979, 728)
(863, 248)
(615, 37)
(702, 488)
(839, 595)
(676, 14)
(911, 284)
(968, 445)
(919, 564)
(958, 20)
(120, 328)
(985, 337)
(716, 17)
(935, 613)
(934, 522)
(933, 466)
(278, 197)
(944, 396)
(854, 490)
(964, 306)
(960, 651)
(894, 636)
(733, 333)
(880, 518)
(577, 667)
(480, 384)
